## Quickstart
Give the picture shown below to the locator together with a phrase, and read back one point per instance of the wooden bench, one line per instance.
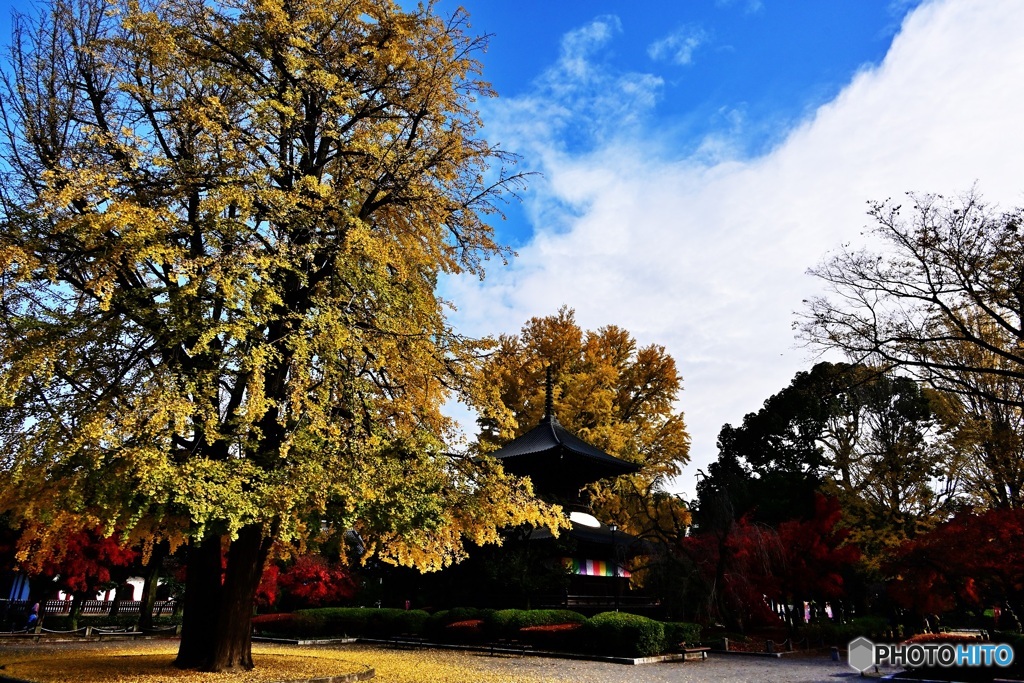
(695, 654)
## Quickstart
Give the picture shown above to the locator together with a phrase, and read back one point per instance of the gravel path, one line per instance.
(726, 668)
(470, 667)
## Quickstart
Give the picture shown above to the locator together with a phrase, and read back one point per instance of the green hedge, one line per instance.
(434, 626)
(355, 621)
(679, 632)
(564, 637)
(612, 633)
(281, 624)
(506, 623)
(625, 635)
(1010, 638)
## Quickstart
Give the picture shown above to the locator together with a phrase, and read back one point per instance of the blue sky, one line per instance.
(745, 70)
(695, 157)
(773, 62)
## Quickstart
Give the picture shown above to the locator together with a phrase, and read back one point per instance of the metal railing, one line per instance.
(89, 607)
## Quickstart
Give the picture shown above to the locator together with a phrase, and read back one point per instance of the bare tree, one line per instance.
(944, 302)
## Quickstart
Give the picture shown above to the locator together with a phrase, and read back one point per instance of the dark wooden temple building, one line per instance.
(586, 568)
(596, 556)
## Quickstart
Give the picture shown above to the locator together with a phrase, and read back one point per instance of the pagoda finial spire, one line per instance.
(549, 396)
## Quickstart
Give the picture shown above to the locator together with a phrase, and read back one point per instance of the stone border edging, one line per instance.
(366, 674)
(740, 653)
(656, 659)
(822, 651)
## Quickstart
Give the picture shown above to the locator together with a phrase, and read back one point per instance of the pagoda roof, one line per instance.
(557, 461)
(549, 445)
(551, 435)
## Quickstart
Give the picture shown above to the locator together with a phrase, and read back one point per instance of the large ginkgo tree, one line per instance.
(222, 226)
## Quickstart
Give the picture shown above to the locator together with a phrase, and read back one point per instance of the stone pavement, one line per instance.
(718, 667)
(725, 668)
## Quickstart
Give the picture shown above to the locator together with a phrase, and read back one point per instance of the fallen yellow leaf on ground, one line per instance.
(144, 662)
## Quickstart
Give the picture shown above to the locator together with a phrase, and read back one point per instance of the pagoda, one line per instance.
(561, 465)
(585, 568)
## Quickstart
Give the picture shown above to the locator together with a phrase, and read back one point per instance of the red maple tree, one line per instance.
(311, 581)
(83, 565)
(749, 564)
(972, 559)
(815, 554)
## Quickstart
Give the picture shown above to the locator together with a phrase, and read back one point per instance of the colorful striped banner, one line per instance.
(594, 567)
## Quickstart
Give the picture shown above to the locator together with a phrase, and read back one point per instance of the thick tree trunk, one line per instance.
(202, 596)
(217, 628)
(233, 646)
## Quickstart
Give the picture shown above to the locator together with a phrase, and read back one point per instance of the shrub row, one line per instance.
(613, 633)
(355, 621)
(508, 623)
(1016, 641)
(341, 622)
(624, 634)
(680, 633)
(436, 626)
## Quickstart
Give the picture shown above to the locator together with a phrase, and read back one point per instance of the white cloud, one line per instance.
(678, 47)
(578, 45)
(710, 258)
(576, 99)
(749, 6)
